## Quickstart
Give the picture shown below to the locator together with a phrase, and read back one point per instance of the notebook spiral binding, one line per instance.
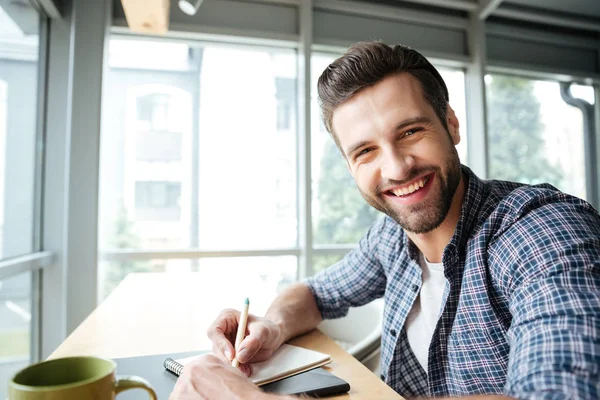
(173, 366)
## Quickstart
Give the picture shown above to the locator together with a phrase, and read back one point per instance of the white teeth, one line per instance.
(413, 187)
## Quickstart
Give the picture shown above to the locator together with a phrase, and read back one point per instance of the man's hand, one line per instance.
(209, 378)
(262, 339)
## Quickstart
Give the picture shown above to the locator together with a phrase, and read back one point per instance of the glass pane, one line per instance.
(15, 327)
(534, 136)
(455, 81)
(18, 115)
(323, 261)
(340, 214)
(261, 277)
(197, 151)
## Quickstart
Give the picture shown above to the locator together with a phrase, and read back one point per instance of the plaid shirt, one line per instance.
(521, 310)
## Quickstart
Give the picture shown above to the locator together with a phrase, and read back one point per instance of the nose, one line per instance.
(396, 165)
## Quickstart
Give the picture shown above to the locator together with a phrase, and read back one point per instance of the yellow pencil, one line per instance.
(241, 332)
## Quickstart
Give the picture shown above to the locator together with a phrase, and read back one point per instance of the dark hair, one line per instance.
(365, 64)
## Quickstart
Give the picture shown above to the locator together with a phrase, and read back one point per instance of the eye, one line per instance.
(364, 151)
(412, 131)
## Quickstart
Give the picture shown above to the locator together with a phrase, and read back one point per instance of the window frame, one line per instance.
(36, 260)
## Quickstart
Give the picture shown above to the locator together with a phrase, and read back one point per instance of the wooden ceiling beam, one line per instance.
(147, 16)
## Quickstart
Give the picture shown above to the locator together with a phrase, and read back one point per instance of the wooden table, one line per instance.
(155, 313)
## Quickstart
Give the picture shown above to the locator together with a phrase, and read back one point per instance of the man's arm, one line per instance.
(550, 262)
(294, 311)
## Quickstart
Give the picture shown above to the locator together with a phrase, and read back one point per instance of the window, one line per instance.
(15, 314)
(200, 154)
(18, 157)
(286, 96)
(18, 115)
(159, 146)
(157, 201)
(159, 127)
(533, 135)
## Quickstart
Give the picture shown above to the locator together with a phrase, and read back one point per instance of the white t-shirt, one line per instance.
(423, 317)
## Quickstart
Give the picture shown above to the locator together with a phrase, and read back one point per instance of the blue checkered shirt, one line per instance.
(521, 311)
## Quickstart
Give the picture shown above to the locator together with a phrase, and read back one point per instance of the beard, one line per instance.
(429, 213)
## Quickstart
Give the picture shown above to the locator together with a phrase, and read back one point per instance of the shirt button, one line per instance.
(393, 332)
(382, 377)
(415, 288)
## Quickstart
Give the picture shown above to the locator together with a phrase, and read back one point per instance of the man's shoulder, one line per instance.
(507, 203)
(512, 200)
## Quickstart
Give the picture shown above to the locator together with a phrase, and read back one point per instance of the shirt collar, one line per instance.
(469, 216)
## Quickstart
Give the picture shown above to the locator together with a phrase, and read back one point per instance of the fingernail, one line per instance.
(242, 355)
(228, 355)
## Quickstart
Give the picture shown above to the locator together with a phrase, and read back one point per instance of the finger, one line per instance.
(226, 323)
(248, 348)
(223, 355)
(246, 369)
(223, 349)
(221, 330)
(262, 355)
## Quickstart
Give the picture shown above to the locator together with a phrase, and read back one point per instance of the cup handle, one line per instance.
(132, 382)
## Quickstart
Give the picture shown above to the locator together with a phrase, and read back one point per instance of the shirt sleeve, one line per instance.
(354, 281)
(552, 258)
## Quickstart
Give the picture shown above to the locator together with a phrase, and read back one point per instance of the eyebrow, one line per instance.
(400, 126)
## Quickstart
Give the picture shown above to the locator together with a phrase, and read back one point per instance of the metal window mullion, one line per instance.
(487, 7)
(181, 33)
(463, 5)
(128, 255)
(477, 151)
(537, 73)
(596, 184)
(30, 262)
(340, 250)
(394, 13)
(544, 17)
(36, 323)
(48, 7)
(38, 245)
(305, 234)
(589, 140)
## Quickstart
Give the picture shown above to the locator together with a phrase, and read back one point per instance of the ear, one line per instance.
(453, 125)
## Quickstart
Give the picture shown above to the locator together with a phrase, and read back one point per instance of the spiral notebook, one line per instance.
(316, 382)
(287, 361)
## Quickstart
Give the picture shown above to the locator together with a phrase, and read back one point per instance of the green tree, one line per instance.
(344, 216)
(515, 129)
(122, 237)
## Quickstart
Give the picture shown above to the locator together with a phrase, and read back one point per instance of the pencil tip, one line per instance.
(247, 301)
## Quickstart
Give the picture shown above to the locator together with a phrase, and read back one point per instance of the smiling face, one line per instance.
(400, 154)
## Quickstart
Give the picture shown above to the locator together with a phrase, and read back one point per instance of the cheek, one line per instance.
(366, 177)
(432, 149)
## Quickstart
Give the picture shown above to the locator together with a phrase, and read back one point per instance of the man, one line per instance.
(490, 288)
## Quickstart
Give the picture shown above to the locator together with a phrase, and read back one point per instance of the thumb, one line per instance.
(248, 348)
